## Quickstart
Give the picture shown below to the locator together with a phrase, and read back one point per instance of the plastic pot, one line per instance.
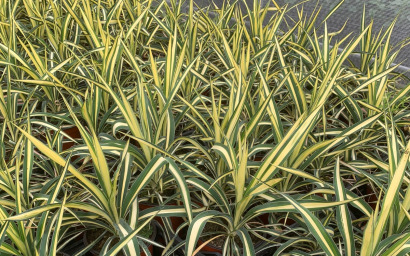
(175, 221)
(74, 133)
(150, 247)
(211, 250)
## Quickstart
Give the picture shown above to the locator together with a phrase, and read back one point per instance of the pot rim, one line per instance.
(154, 234)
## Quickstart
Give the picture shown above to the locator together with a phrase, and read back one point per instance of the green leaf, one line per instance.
(315, 227)
(344, 221)
(195, 230)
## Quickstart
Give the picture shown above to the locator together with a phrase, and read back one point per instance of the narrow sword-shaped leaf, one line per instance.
(60, 160)
(316, 228)
(344, 220)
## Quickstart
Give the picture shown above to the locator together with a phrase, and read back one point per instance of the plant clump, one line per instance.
(118, 114)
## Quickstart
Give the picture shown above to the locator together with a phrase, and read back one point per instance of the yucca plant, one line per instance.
(254, 130)
(292, 155)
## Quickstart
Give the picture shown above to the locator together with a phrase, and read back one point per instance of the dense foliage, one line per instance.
(236, 119)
